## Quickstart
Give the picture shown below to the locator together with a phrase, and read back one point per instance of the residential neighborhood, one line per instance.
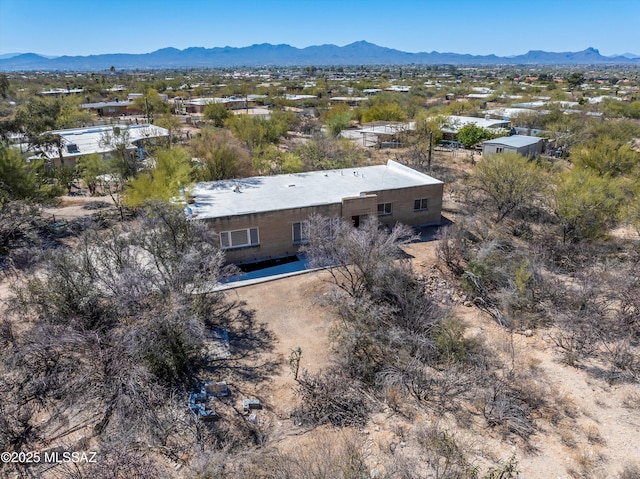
(346, 268)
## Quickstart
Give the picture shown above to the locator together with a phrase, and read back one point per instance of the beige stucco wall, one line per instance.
(402, 201)
(275, 228)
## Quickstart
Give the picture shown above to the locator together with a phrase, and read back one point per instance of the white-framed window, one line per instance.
(499, 149)
(421, 204)
(300, 232)
(384, 209)
(239, 238)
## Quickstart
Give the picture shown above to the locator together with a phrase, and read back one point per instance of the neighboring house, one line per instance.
(292, 97)
(61, 91)
(453, 124)
(197, 105)
(398, 88)
(109, 108)
(522, 144)
(349, 100)
(508, 113)
(379, 133)
(78, 142)
(265, 217)
(254, 112)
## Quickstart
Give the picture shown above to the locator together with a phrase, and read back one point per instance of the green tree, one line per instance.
(575, 79)
(471, 134)
(257, 132)
(337, 119)
(4, 85)
(66, 176)
(384, 112)
(606, 157)
(70, 115)
(216, 113)
(509, 181)
(90, 168)
(37, 115)
(270, 159)
(22, 180)
(586, 203)
(219, 156)
(326, 153)
(339, 122)
(123, 161)
(170, 122)
(152, 104)
(171, 173)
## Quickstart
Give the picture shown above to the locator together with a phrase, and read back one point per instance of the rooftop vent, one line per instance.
(72, 148)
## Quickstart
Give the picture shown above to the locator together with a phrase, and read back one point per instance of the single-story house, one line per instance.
(78, 142)
(379, 133)
(264, 217)
(522, 144)
(349, 100)
(453, 124)
(197, 105)
(109, 108)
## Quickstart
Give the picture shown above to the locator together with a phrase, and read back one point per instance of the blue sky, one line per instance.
(503, 27)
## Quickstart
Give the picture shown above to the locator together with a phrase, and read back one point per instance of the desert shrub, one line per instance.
(446, 458)
(330, 397)
(630, 471)
(512, 403)
(339, 456)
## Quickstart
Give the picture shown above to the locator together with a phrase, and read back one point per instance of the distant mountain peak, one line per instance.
(360, 52)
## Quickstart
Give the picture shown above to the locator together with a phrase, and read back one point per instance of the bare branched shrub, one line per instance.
(113, 338)
(341, 457)
(508, 469)
(21, 228)
(510, 408)
(120, 463)
(446, 458)
(330, 397)
(451, 249)
(630, 471)
(358, 258)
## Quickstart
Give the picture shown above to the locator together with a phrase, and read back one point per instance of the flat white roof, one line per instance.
(507, 113)
(349, 98)
(208, 101)
(105, 104)
(288, 96)
(515, 141)
(390, 128)
(453, 123)
(280, 192)
(91, 140)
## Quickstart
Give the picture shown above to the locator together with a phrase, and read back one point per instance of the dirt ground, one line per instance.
(602, 436)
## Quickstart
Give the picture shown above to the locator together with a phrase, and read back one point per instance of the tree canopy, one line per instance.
(509, 181)
(172, 172)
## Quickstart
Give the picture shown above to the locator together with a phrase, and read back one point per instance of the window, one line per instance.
(239, 238)
(384, 209)
(499, 149)
(421, 204)
(300, 232)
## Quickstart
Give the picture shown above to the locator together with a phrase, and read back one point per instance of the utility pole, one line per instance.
(430, 148)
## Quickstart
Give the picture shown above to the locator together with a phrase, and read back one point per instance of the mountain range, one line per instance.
(265, 54)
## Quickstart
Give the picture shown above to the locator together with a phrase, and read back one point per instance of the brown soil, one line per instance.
(596, 437)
